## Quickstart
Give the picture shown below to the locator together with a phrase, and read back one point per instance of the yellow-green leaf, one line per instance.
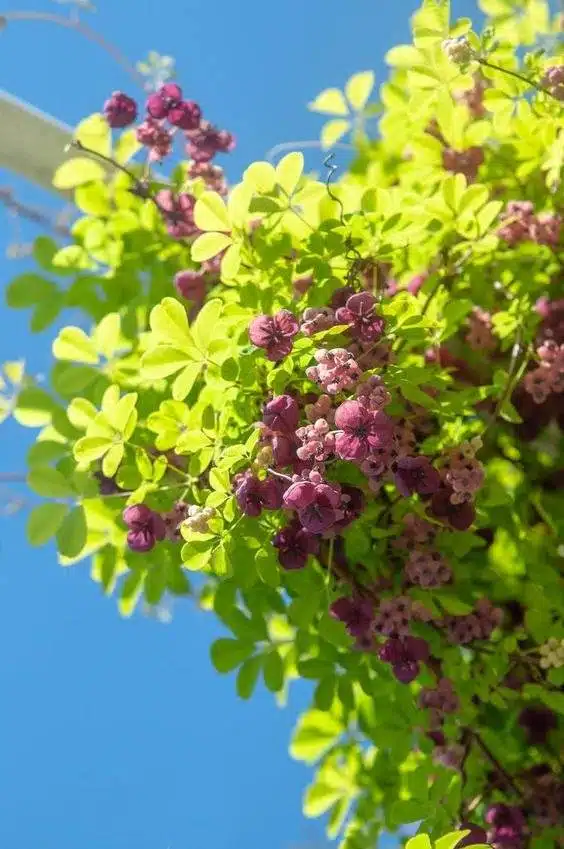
(73, 344)
(81, 413)
(76, 171)
(231, 262)
(112, 459)
(261, 176)
(162, 362)
(331, 101)
(91, 448)
(289, 170)
(95, 134)
(208, 245)
(126, 147)
(359, 88)
(185, 381)
(44, 521)
(332, 131)
(169, 323)
(210, 213)
(315, 732)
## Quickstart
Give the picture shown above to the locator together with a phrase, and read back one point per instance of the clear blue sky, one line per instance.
(118, 734)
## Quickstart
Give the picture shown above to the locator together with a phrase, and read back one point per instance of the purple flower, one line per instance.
(253, 494)
(274, 333)
(294, 546)
(166, 98)
(205, 141)
(415, 474)
(282, 414)
(283, 450)
(405, 654)
(458, 516)
(318, 505)
(185, 116)
(352, 505)
(190, 285)
(299, 495)
(145, 527)
(358, 312)
(537, 721)
(360, 430)
(178, 213)
(120, 110)
(356, 613)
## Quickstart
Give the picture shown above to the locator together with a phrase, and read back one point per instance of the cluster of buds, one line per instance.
(552, 654)
(521, 224)
(465, 162)
(548, 377)
(553, 81)
(480, 335)
(458, 50)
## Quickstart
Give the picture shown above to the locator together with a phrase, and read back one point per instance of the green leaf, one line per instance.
(44, 521)
(72, 534)
(208, 245)
(231, 262)
(247, 676)
(449, 841)
(131, 591)
(332, 131)
(227, 654)
(95, 134)
(320, 797)
(169, 324)
(126, 147)
(210, 213)
(205, 327)
(27, 290)
(185, 381)
(112, 460)
(261, 176)
(73, 344)
(164, 361)
(91, 448)
(289, 170)
(273, 671)
(34, 407)
(359, 88)
(315, 732)
(81, 413)
(49, 483)
(74, 172)
(331, 101)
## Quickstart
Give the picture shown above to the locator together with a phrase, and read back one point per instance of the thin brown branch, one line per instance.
(82, 29)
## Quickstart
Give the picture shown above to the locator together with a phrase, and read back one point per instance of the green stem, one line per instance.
(518, 76)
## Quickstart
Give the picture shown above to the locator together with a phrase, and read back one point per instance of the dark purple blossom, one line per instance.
(120, 110)
(356, 613)
(168, 97)
(145, 527)
(476, 837)
(537, 721)
(190, 284)
(178, 213)
(360, 430)
(352, 505)
(405, 655)
(282, 414)
(294, 546)
(317, 504)
(359, 314)
(415, 474)
(274, 333)
(253, 495)
(458, 516)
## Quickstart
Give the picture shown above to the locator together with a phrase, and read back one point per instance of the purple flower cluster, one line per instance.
(439, 701)
(465, 162)
(480, 336)
(548, 377)
(405, 656)
(478, 625)
(553, 80)
(507, 826)
(145, 527)
(521, 224)
(120, 110)
(274, 334)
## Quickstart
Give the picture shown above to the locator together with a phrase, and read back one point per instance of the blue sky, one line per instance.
(118, 734)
